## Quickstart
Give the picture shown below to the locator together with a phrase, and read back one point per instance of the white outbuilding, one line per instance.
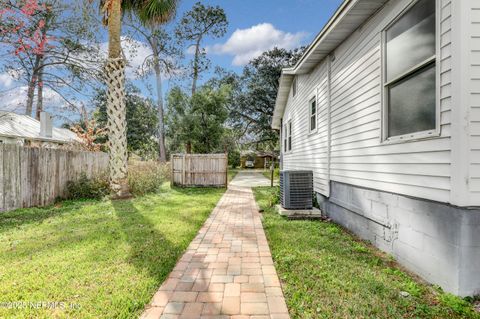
(24, 130)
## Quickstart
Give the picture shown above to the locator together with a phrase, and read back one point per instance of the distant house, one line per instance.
(384, 108)
(25, 130)
(256, 159)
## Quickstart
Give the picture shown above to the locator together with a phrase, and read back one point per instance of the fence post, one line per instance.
(172, 171)
(226, 170)
(183, 170)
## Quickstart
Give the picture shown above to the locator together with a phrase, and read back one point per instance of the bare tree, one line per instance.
(201, 21)
(162, 61)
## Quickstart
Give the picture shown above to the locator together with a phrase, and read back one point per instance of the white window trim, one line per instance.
(294, 87)
(310, 115)
(289, 136)
(436, 132)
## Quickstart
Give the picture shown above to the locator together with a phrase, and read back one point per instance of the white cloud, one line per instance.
(15, 99)
(6, 80)
(246, 44)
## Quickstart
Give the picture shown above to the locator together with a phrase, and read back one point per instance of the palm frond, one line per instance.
(151, 11)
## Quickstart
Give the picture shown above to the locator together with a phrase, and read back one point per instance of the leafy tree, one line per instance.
(255, 92)
(179, 121)
(141, 118)
(201, 21)
(148, 12)
(234, 159)
(197, 123)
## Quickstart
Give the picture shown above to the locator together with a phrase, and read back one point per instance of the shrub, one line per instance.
(234, 158)
(147, 177)
(85, 187)
(274, 197)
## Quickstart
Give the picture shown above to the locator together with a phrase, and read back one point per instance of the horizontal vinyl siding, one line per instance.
(358, 157)
(474, 182)
(310, 150)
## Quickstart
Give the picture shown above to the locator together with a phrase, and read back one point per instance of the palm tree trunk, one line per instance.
(162, 156)
(115, 76)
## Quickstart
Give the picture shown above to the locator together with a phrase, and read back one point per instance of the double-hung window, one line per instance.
(410, 72)
(312, 112)
(294, 87)
(284, 135)
(289, 132)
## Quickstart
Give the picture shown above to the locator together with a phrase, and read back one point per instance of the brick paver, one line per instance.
(227, 270)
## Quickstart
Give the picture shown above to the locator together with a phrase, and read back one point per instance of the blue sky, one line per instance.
(297, 17)
(254, 26)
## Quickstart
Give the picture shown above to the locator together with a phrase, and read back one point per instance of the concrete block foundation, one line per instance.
(439, 242)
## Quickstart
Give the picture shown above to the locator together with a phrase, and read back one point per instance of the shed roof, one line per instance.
(350, 15)
(23, 126)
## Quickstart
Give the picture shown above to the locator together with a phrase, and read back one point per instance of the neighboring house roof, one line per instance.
(23, 126)
(349, 16)
(259, 153)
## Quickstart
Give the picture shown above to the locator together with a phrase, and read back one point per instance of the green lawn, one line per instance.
(328, 273)
(232, 172)
(105, 258)
(276, 174)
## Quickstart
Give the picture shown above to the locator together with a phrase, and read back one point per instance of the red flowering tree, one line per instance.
(48, 45)
(22, 29)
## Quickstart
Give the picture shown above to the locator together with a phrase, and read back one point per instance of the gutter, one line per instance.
(320, 35)
(38, 139)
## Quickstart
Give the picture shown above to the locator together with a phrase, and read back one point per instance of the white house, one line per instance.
(25, 130)
(384, 108)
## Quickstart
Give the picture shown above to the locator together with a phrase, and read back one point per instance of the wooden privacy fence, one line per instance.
(37, 176)
(200, 170)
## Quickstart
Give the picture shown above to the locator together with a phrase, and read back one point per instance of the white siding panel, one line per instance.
(415, 168)
(474, 181)
(310, 150)
(356, 87)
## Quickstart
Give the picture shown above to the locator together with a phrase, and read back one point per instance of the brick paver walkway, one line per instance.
(227, 271)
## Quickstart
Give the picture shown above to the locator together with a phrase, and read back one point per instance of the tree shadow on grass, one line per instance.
(150, 250)
(25, 216)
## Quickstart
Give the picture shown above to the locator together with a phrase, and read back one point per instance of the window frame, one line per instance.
(294, 86)
(436, 59)
(310, 115)
(289, 136)
(284, 138)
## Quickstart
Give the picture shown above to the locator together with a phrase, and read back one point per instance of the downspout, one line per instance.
(280, 164)
(330, 58)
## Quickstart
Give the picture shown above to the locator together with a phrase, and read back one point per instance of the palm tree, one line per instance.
(149, 12)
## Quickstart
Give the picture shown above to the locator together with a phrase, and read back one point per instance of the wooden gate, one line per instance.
(200, 170)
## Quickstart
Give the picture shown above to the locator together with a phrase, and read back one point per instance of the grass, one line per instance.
(326, 272)
(232, 172)
(104, 258)
(276, 174)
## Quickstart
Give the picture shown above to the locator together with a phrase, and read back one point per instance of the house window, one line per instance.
(294, 87)
(312, 114)
(410, 71)
(284, 134)
(289, 133)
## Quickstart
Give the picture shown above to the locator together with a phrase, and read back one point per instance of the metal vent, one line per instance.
(296, 189)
